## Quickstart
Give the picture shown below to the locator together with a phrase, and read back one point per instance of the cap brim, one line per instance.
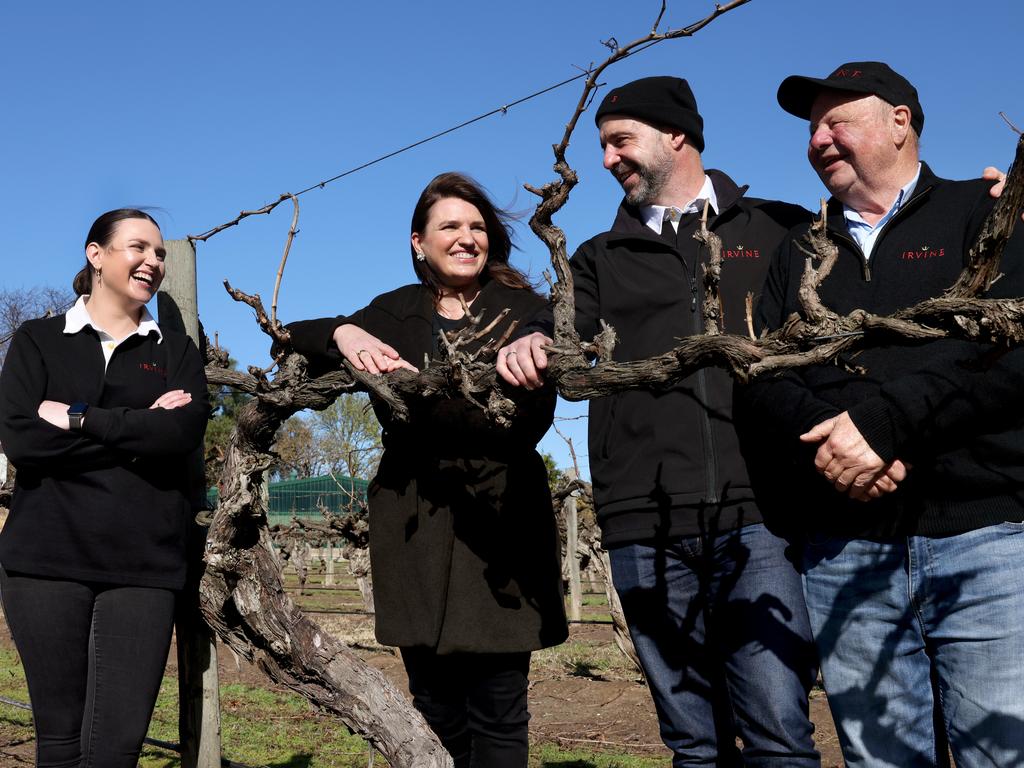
(797, 93)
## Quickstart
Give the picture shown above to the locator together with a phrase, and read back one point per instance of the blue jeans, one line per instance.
(896, 620)
(721, 630)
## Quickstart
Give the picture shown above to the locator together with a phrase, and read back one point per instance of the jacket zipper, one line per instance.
(711, 457)
(866, 262)
(707, 433)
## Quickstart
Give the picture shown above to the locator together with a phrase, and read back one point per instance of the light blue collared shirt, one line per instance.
(76, 318)
(865, 234)
(654, 215)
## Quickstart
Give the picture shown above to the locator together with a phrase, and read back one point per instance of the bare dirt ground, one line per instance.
(582, 695)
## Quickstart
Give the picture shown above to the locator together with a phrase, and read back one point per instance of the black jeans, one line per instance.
(475, 703)
(94, 655)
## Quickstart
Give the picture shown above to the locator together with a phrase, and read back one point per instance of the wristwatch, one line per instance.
(76, 412)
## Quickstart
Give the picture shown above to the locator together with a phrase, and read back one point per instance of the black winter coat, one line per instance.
(951, 409)
(666, 463)
(463, 542)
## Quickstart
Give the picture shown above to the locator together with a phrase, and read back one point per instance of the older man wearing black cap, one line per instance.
(916, 597)
(714, 607)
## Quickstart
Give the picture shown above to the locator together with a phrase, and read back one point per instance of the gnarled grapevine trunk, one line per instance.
(243, 599)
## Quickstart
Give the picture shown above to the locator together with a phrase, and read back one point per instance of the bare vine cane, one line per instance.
(292, 232)
(714, 314)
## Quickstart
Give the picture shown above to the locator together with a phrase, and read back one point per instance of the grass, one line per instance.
(551, 756)
(15, 724)
(262, 726)
(259, 726)
(265, 727)
(328, 600)
(583, 659)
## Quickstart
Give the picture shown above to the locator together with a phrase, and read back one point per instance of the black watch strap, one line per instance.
(76, 412)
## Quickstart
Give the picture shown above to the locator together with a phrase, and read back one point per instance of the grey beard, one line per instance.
(642, 193)
(649, 184)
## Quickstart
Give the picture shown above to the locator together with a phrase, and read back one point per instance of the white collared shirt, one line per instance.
(864, 233)
(76, 318)
(655, 215)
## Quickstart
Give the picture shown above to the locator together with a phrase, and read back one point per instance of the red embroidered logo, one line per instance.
(739, 252)
(924, 252)
(846, 73)
(153, 368)
(614, 98)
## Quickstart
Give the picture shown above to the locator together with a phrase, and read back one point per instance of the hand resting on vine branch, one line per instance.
(368, 353)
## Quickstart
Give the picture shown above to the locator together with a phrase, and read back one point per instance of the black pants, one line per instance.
(475, 703)
(94, 655)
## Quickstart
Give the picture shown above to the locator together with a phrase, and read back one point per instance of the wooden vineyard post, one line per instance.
(198, 685)
(329, 564)
(572, 533)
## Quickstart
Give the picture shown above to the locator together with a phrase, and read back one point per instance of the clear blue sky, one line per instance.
(204, 109)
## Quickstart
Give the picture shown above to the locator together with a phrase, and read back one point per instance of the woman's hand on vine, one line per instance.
(368, 353)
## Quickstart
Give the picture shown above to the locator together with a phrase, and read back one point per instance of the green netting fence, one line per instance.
(300, 497)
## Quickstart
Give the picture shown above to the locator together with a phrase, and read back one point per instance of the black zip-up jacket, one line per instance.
(667, 462)
(109, 503)
(951, 409)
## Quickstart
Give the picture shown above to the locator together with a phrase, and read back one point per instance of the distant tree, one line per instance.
(297, 450)
(343, 439)
(17, 306)
(347, 437)
(225, 403)
(555, 475)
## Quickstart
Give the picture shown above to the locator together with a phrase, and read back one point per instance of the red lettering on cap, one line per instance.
(846, 73)
(615, 97)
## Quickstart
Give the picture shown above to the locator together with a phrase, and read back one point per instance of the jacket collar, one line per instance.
(926, 182)
(425, 299)
(78, 317)
(629, 222)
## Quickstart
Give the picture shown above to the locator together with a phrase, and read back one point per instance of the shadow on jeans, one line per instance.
(726, 615)
(879, 731)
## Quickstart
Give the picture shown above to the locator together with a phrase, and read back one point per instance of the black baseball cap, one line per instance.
(797, 93)
(660, 100)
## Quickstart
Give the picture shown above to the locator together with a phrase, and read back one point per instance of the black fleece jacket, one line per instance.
(951, 409)
(108, 503)
(667, 462)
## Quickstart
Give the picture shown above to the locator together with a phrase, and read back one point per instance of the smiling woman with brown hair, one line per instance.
(464, 550)
(99, 409)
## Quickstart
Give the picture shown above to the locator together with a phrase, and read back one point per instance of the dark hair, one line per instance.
(102, 232)
(497, 221)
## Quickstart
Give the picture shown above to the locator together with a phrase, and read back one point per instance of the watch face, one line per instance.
(76, 411)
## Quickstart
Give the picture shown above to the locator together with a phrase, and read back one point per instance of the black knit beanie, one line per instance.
(659, 101)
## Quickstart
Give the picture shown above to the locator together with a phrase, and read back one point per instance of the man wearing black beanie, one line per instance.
(714, 607)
